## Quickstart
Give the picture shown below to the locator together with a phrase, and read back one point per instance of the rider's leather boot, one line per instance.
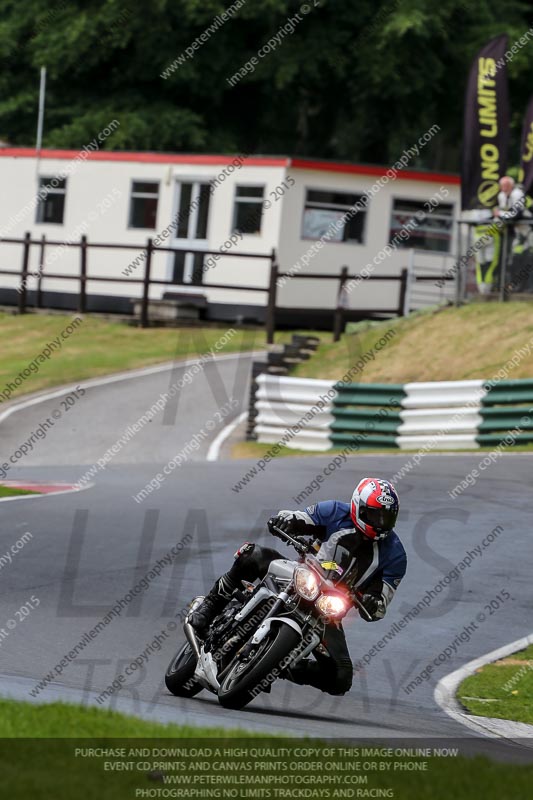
(299, 673)
(213, 604)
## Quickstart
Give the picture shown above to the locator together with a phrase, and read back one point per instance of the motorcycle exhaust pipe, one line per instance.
(189, 630)
(191, 638)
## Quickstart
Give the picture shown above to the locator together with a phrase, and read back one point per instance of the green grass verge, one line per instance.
(7, 491)
(59, 720)
(473, 341)
(49, 757)
(428, 345)
(98, 347)
(258, 450)
(503, 689)
(37, 762)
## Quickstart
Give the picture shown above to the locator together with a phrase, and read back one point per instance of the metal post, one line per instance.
(40, 273)
(24, 274)
(40, 117)
(82, 299)
(505, 254)
(465, 266)
(40, 120)
(458, 275)
(338, 317)
(146, 284)
(271, 305)
(403, 292)
(409, 283)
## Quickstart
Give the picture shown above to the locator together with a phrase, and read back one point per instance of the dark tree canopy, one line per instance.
(358, 80)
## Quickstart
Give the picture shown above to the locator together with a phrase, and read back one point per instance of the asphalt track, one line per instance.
(91, 547)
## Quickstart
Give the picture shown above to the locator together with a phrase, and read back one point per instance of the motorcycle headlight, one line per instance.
(306, 583)
(331, 605)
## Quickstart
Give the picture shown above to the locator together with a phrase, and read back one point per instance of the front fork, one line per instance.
(306, 628)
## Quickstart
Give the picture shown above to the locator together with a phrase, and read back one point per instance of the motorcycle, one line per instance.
(266, 629)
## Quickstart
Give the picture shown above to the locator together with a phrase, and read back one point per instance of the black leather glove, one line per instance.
(290, 526)
(374, 606)
(272, 523)
(286, 524)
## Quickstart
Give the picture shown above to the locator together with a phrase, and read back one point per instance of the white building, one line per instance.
(212, 202)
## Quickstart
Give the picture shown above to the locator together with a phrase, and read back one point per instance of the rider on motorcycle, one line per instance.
(378, 563)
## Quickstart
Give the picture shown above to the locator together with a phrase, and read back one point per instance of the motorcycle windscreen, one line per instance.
(336, 558)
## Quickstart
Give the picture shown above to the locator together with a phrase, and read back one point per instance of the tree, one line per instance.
(355, 81)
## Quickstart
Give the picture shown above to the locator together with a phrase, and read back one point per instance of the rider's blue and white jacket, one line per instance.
(385, 562)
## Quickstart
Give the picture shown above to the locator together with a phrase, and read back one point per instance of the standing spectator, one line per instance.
(512, 206)
(511, 199)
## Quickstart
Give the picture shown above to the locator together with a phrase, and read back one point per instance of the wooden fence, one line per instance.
(83, 276)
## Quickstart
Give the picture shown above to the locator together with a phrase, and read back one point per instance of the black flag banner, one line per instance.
(526, 149)
(486, 126)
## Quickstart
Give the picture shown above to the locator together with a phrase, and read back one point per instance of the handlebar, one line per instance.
(298, 546)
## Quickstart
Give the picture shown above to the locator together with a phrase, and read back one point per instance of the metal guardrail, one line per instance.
(507, 282)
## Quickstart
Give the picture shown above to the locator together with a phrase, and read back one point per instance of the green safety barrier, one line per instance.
(366, 414)
(368, 394)
(364, 420)
(507, 407)
(362, 440)
(509, 393)
(505, 419)
(492, 440)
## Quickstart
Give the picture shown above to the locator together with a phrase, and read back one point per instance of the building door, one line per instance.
(192, 220)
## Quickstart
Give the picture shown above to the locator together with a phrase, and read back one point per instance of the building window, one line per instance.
(143, 205)
(248, 209)
(430, 231)
(323, 215)
(51, 205)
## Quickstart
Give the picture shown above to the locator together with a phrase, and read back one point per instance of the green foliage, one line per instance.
(357, 81)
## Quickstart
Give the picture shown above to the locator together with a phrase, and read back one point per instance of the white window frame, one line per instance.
(54, 190)
(146, 195)
(423, 200)
(334, 206)
(260, 200)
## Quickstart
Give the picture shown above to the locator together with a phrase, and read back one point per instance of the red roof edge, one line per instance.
(146, 158)
(209, 159)
(367, 169)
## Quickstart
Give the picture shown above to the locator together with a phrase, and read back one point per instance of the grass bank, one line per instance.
(96, 347)
(503, 689)
(93, 346)
(465, 343)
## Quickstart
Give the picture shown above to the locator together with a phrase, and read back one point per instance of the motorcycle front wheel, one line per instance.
(179, 677)
(246, 679)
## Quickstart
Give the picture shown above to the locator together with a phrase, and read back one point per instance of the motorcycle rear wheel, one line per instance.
(179, 677)
(237, 688)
